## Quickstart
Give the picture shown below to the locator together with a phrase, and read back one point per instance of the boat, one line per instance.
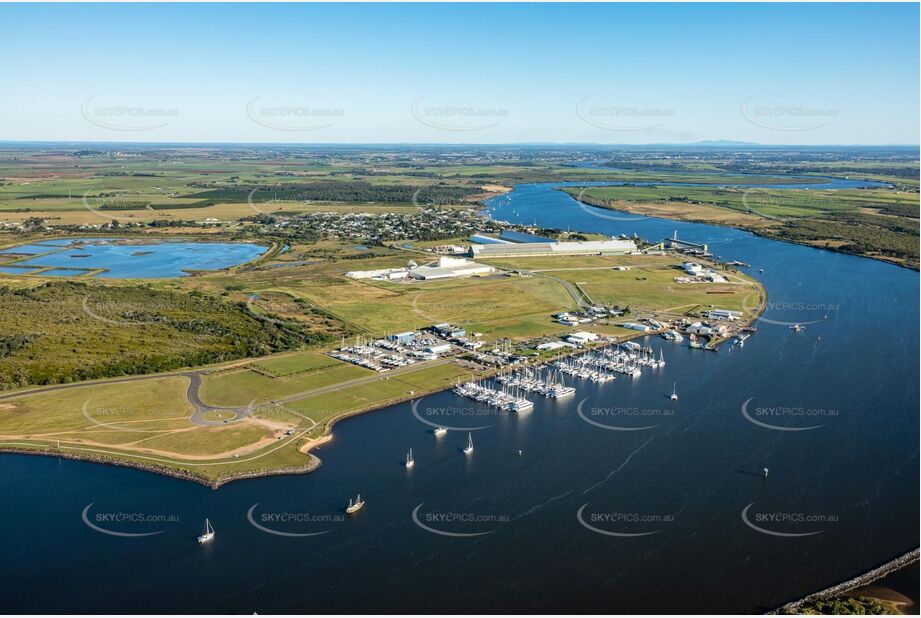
(355, 506)
(440, 431)
(674, 396)
(469, 448)
(208, 535)
(796, 327)
(410, 461)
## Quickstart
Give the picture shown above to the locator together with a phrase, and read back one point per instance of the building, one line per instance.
(444, 268)
(636, 326)
(406, 338)
(699, 328)
(531, 249)
(553, 345)
(724, 314)
(441, 348)
(449, 332)
(685, 246)
(381, 273)
(581, 337)
(449, 268)
(449, 249)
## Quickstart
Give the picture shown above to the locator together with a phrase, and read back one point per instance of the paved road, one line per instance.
(194, 396)
(573, 291)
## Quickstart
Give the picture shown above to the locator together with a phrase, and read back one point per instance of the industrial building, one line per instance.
(449, 268)
(406, 338)
(530, 249)
(581, 338)
(685, 246)
(444, 268)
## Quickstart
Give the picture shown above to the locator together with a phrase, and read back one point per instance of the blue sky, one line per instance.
(474, 73)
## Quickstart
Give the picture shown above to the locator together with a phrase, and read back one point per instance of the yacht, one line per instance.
(208, 535)
(410, 461)
(469, 448)
(355, 506)
(796, 327)
(674, 396)
(440, 431)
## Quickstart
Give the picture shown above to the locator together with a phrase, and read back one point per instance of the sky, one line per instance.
(461, 73)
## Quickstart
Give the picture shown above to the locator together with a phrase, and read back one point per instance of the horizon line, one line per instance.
(699, 143)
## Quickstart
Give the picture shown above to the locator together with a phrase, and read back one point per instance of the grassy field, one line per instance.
(648, 287)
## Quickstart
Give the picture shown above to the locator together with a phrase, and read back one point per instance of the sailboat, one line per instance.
(674, 396)
(355, 506)
(208, 535)
(469, 448)
(410, 462)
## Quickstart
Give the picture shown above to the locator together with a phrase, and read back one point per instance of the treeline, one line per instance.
(337, 191)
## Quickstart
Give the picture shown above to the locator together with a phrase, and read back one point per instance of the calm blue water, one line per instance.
(687, 479)
(141, 261)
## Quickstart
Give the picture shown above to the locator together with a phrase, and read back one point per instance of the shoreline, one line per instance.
(314, 462)
(757, 231)
(896, 564)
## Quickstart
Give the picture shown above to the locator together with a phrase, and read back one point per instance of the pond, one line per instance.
(130, 258)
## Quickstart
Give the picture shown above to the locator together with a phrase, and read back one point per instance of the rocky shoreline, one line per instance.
(795, 607)
(182, 475)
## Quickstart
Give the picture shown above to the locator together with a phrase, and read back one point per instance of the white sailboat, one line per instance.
(469, 448)
(208, 535)
(674, 396)
(410, 461)
(355, 506)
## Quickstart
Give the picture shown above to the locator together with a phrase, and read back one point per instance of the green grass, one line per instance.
(298, 362)
(239, 388)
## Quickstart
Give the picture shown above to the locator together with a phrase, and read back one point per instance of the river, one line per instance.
(563, 515)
